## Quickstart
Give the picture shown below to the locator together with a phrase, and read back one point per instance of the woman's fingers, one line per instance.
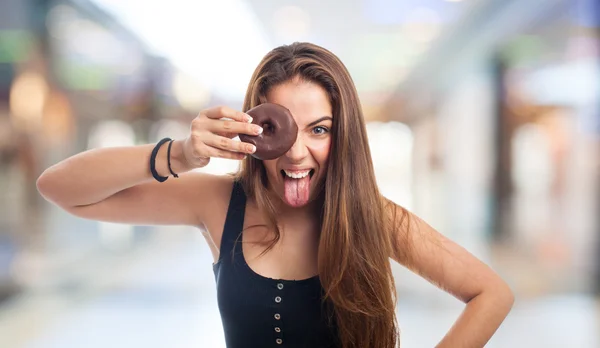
(216, 152)
(227, 122)
(219, 112)
(224, 143)
(223, 127)
(211, 133)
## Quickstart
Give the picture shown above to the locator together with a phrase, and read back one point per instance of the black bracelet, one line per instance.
(153, 161)
(169, 158)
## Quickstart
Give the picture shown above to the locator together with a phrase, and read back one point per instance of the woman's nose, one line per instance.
(298, 151)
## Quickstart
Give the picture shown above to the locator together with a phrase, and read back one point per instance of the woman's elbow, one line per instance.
(503, 295)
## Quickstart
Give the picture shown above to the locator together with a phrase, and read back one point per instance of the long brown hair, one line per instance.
(356, 240)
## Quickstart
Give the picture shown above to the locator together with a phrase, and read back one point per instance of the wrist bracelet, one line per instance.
(153, 161)
(169, 158)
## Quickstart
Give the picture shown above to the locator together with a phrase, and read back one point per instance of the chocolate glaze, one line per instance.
(279, 131)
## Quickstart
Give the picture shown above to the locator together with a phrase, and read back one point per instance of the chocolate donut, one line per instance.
(279, 131)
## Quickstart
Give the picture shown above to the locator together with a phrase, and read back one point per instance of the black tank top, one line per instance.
(262, 312)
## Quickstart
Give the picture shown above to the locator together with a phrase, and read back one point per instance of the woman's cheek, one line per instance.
(321, 148)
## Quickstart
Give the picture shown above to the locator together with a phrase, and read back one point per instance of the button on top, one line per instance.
(277, 299)
(280, 286)
(277, 316)
(279, 341)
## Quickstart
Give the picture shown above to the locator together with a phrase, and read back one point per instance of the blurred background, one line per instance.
(483, 117)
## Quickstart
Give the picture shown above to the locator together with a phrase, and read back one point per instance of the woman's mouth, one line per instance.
(296, 186)
(297, 174)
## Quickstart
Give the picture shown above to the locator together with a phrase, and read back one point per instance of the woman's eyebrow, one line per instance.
(319, 120)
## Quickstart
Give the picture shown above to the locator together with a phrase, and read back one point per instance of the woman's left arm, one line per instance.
(446, 264)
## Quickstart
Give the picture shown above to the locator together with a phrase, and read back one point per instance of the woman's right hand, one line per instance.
(211, 134)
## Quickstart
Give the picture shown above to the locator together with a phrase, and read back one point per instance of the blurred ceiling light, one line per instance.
(190, 94)
(291, 23)
(454, 0)
(27, 97)
(423, 25)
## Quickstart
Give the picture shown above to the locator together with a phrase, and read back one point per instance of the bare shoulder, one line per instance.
(213, 194)
(214, 214)
(208, 194)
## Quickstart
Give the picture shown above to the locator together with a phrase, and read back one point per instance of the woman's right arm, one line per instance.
(115, 184)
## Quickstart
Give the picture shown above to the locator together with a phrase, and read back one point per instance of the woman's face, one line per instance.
(296, 176)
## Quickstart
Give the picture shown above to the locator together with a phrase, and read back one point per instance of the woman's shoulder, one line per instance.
(211, 196)
(212, 193)
(213, 182)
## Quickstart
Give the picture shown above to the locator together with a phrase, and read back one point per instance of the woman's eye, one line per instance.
(320, 130)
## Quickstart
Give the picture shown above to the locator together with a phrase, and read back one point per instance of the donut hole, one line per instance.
(268, 128)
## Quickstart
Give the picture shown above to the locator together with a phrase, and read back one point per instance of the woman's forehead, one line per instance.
(306, 101)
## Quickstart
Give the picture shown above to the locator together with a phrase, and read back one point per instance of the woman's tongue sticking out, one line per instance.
(297, 190)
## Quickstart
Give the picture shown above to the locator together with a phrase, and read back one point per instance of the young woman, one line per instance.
(312, 266)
